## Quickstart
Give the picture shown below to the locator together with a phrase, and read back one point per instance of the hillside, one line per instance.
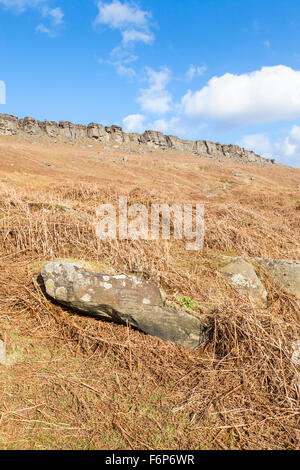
(73, 382)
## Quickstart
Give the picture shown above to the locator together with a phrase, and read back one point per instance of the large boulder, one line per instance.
(243, 278)
(122, 299)
(285, 272)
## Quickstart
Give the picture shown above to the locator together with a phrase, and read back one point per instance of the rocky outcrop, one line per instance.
(69, 132)
(122, 299)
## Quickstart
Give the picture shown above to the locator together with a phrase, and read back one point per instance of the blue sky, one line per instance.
(222, 70)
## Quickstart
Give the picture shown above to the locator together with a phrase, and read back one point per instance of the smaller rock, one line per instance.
(296, 352)
(285, 272)
(2, 353)
(243, 278)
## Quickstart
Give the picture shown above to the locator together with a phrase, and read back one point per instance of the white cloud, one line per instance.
(124, 71)
(133, 35)
(259, 143)
(119, 15)
(54, 15)
(134, 123)
(286, 151)
(267, 95)
(41, 28)
(289, 148)
(133, 24)
(2, 92)
(156, 98)
(120, 58)
(171, 126)
(139, 123)
(21, 5)
(193, 72)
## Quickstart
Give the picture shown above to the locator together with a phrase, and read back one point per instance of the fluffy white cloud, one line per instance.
(120, 15)
(2, 92)
(155, 98)
(139, 123)
(41, 28)
(267, 95)
(21, 5)
(53, 15)
(120, 58)
(289, 148)
(259, 143)
(172, 126)
(133, 24)
(133, 35)
(286, 151)
(194, 71)
(134, 123)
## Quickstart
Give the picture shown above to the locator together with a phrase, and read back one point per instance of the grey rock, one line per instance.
(285, 272)
(243, 278)
(122, 299)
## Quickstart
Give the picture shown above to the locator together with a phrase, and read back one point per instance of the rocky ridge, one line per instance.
(68, 132)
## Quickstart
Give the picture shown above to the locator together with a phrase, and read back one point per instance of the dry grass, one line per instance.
(77, 383)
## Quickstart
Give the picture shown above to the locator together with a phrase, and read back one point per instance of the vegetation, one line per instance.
(73, 382)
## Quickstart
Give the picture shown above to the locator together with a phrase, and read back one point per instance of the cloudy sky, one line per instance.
(221, 70)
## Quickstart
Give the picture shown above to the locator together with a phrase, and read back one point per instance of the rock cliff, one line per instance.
(69, 132)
